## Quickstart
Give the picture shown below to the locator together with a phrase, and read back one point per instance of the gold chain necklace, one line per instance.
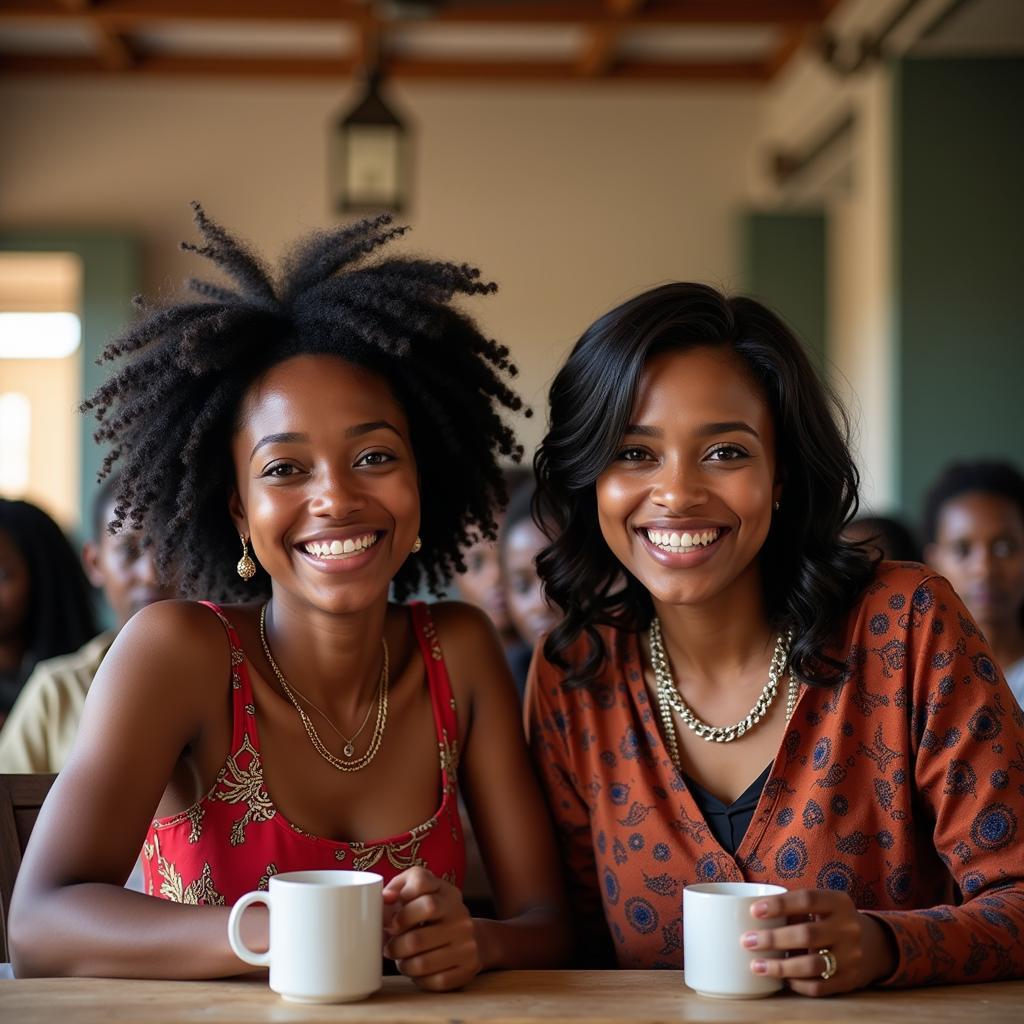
(669, 698)
(314, 737)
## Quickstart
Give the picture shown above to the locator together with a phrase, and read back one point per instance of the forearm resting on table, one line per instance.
(98, 930)
(536, 938)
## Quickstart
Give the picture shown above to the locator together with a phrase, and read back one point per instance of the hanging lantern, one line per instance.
(370, 152)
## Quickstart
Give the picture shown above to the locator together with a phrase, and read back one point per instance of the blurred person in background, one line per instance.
(45, 602)
(974, 534)
(889, 536)
(40, 730)
(482, 583)
(528, 609)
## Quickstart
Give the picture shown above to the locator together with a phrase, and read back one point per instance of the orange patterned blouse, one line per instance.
(904, 778)
(234, 839)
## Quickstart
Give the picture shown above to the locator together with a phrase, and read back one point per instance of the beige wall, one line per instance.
(571, 198)
(853, 184)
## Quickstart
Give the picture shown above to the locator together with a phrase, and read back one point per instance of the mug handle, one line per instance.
(238, 947)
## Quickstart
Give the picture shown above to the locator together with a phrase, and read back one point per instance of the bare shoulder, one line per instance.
(472, 649)
(171, 640)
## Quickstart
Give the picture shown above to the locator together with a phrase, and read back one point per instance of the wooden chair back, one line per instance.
(21, 796)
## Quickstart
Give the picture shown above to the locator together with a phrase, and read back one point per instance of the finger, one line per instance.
(413, 882)
(804, 935)
(420, 911)
(800, 903)
(805, 967)
(436, 961)
(418, 940)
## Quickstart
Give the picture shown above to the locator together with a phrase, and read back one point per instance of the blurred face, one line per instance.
(482, 583)
(124, 569)
(14, 589)
(327, 488)
(979, 548)
(686, 503)
(530, 613)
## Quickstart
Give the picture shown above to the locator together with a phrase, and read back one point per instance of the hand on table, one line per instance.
(431, 936)
(819, 919)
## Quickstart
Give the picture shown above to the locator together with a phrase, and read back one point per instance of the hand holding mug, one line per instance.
(832, 947)
(432, 938)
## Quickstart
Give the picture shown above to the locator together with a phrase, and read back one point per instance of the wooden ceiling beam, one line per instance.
(114, 51)
(129, 14)
(598, 53)
(791, 43)
(168, 65)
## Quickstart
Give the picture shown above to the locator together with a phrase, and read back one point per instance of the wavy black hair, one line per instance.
(811, 577)
(985, 476)
(60, 602)
(168, 412)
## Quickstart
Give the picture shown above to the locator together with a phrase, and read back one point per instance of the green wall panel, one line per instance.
(785, 268)
(959, 202)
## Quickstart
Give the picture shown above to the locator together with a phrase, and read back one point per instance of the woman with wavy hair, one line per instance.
(736, 693)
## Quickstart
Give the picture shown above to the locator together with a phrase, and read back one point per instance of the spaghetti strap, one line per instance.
(243, 707)
(442, 698)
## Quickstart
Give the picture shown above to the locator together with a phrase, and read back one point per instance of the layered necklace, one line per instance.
(669, 699)
(349, 763)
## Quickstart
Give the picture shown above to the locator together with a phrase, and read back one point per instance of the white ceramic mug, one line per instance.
(326, 934)
(715, 916)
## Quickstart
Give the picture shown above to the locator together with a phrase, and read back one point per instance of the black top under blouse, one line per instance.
(729, 822)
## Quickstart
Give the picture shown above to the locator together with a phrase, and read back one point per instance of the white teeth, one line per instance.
(682, 542)
(333, 548)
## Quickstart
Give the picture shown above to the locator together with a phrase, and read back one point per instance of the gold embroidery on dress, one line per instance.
(449, 751)
(200, 892)
(264, 882)
(430, 632)
(193, 814)
(250, 709)
(340, 855)
(237, 656)
(236, 785)
(401, 854)
(236, 682)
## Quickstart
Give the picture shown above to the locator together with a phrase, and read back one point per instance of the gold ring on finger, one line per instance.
(831, 964)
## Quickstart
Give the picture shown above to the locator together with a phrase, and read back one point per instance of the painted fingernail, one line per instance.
(760, 909)
(749, 940)
(759, 966)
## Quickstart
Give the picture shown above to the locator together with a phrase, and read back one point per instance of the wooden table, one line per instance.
(508, 997)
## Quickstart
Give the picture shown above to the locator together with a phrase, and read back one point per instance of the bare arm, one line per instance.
(509, 815)
(163, 686)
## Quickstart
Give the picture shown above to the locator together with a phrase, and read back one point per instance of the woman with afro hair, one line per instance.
(298, 449)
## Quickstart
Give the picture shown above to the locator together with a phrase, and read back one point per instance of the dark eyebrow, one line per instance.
(706, 429)
(727, 428)
(290, 438)
(368, 428)
(276, 439)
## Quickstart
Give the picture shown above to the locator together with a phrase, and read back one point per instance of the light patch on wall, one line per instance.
(15, 429)
(39, 335)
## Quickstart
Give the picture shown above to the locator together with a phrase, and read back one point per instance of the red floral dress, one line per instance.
(234, 839)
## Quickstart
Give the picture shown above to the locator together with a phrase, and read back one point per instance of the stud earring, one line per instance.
(417, 544)
(246, 567)
(778, 505)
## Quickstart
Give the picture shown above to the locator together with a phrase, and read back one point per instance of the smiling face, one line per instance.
(686, 503)
(979, 548)
(327, 488)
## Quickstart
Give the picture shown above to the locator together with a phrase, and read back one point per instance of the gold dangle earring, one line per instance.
(246, 567)
(417, 544)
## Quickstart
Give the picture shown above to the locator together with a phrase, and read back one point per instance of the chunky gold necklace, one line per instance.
(349, 749)
(669, 698)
